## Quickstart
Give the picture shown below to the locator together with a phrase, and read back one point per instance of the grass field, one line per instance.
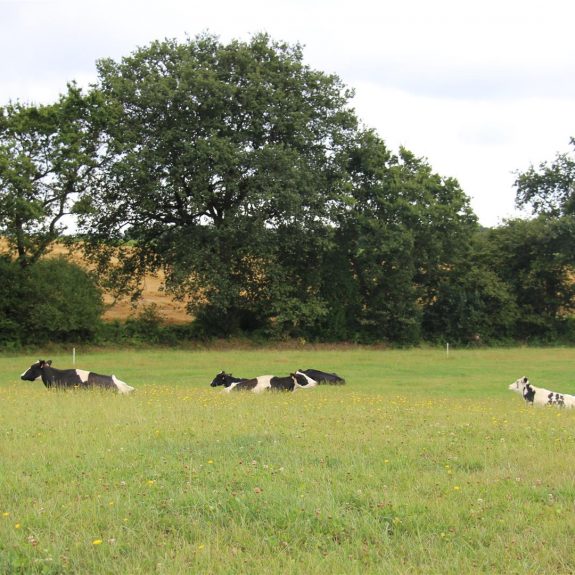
(422, 463)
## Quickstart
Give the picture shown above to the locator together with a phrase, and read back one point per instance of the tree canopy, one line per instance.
(549, 188)
(241, 171)
(245, 176)
(48, 160)
(224, 155)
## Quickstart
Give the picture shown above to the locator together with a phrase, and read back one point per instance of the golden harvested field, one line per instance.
(170, 310)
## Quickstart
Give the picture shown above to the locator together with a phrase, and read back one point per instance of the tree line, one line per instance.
(247, 178)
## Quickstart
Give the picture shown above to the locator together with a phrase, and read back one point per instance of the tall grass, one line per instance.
(422, 463)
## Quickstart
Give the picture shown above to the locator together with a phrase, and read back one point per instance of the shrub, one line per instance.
(51, 301)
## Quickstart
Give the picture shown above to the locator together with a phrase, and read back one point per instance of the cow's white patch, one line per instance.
(264, 382)
(83, 375)
(310, 382)
(122, 386)
(230, 387)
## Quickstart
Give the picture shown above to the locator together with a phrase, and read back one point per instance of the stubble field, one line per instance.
(422, 463)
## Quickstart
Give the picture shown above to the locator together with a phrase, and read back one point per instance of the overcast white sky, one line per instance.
(479, 88)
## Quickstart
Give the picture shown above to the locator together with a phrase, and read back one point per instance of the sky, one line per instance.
(481, 89)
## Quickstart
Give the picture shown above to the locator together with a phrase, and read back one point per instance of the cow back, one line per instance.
(98, 380)
(246, 385)
(53, 377)
(324, 377)
(282, 383)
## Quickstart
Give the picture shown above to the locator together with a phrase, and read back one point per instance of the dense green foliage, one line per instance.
(406, 228)
(549, 188)
(245, 176)
(51, 301)
(262, 181)
(227, 168)
(535, 259)
(538, 257)
(48, 160)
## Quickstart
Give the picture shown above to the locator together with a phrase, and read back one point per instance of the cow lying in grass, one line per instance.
(541, 396)
(323, 377)
(72, 378)
(263, 382)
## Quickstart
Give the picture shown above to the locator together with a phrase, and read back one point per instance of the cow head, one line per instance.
(35, 370)
(519, 385)
(222, 378)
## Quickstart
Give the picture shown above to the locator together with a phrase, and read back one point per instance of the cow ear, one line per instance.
(49, 362)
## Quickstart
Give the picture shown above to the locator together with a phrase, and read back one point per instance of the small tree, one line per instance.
(544, 248)
(49, 157)
(549, 189)
(535, 259)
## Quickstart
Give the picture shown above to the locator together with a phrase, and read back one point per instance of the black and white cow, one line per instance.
(541, 396)
(225, 379)
(263, 382)
(323, 377)
(75, 378)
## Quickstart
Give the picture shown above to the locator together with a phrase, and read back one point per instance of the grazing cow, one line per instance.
(540, 396)
(323, 377)
(263, 382)
(64, 378)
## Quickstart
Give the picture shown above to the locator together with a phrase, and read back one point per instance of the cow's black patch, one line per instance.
(556, 399)
(246, 385)
(282, 383)
(323, 377)
(528, 393)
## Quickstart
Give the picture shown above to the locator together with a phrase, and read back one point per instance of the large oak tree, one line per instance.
(228, 166)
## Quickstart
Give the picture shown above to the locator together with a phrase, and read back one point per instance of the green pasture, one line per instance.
(422, 463)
